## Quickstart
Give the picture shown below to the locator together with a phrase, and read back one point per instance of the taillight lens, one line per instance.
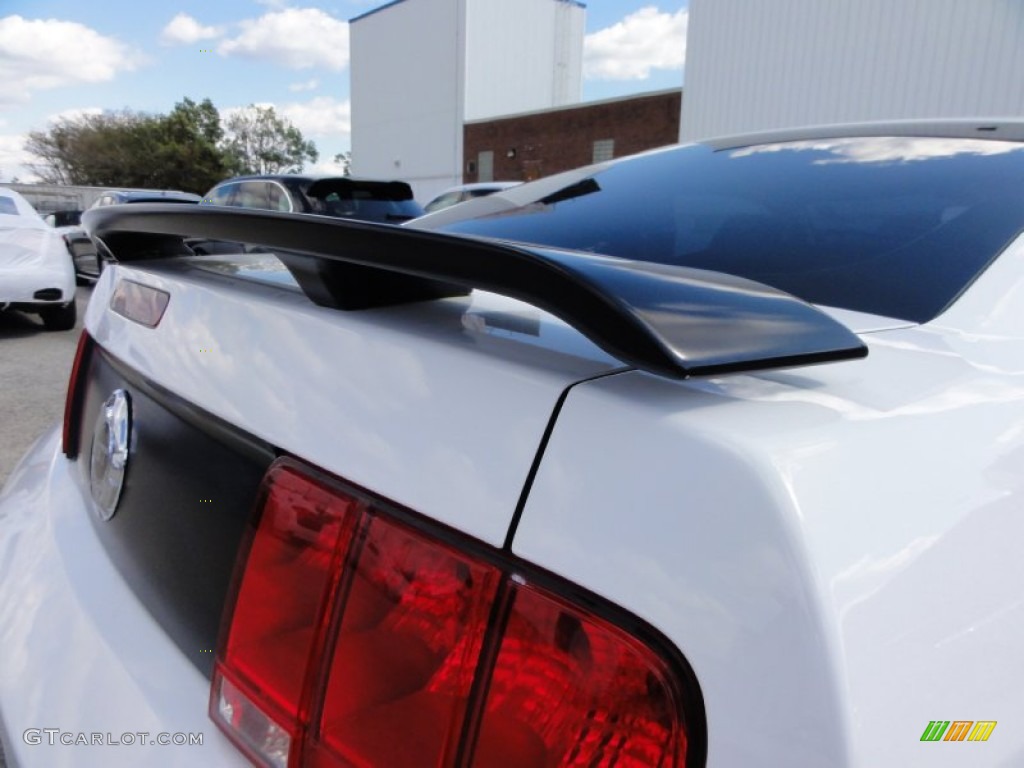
(73, 401)
(359, 638)
(569, 689)
(281, 613)
(406, 652)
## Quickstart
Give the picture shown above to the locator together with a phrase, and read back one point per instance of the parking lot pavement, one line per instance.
(34, 368)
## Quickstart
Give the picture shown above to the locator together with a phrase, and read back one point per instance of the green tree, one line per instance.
(108, 149)
(344, 159)
(133, 149)
(53, 149)
(202, 119)
(258, 140)
(186, 149)
(189, 154)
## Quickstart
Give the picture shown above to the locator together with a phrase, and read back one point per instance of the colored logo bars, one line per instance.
(958, 730)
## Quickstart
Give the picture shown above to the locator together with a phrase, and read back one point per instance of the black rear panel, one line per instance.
(189, 488)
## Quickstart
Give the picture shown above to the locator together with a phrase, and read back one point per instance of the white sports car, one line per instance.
(36, 272)
(711, 456)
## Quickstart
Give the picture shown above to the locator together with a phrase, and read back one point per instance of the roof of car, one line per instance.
(486, 185)
(996, 129)
(154, 195)
(302, 177)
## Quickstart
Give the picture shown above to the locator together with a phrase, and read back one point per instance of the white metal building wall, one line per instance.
(421, 67)
(407, 82)
(756, 65)
(522, 55)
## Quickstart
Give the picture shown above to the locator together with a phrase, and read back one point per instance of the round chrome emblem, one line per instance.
(110, 452)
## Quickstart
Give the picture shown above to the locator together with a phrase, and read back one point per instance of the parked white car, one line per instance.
(464, 192)
(711, 456)
(36, 273)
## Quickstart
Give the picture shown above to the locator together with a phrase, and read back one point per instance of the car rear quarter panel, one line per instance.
(992, 307)
(835, 549)
(80, 653)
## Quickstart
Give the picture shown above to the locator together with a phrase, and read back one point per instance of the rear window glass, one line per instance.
(367, 201)
(891, 226)
(365, 207)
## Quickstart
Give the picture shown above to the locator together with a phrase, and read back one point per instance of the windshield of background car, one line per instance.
(890, 226)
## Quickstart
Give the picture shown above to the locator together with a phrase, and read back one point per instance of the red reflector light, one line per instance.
(358, 638)
(73, 401)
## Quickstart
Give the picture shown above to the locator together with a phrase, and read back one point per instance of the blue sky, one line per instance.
(61, 57)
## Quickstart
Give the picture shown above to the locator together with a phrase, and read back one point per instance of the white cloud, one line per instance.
(184, 30)
(885, 149)
(309, 85)
(319, 117)
(325, 168)
(322, 116)
(73, 114)
(228, 112)
(628, 50)
(41, 54)
(14, 159)
(298, 38)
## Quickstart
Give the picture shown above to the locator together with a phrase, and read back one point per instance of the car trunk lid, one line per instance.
(438, 406)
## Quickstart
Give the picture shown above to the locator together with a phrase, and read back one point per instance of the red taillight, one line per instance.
(360, 639)
(570, 689)
(406, 651)
(73, 401)
(281, 612)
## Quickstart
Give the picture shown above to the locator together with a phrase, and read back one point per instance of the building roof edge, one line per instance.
(577, 105)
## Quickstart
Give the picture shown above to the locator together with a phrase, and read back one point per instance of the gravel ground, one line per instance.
(34, 368)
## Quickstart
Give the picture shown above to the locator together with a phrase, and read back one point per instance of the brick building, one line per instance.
(530, 145)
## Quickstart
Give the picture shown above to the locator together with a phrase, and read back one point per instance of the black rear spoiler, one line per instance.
(668, 320)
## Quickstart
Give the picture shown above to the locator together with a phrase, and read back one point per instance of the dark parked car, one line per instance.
(83, 251)
(58, 219)
(386, 202)
(389, 202)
